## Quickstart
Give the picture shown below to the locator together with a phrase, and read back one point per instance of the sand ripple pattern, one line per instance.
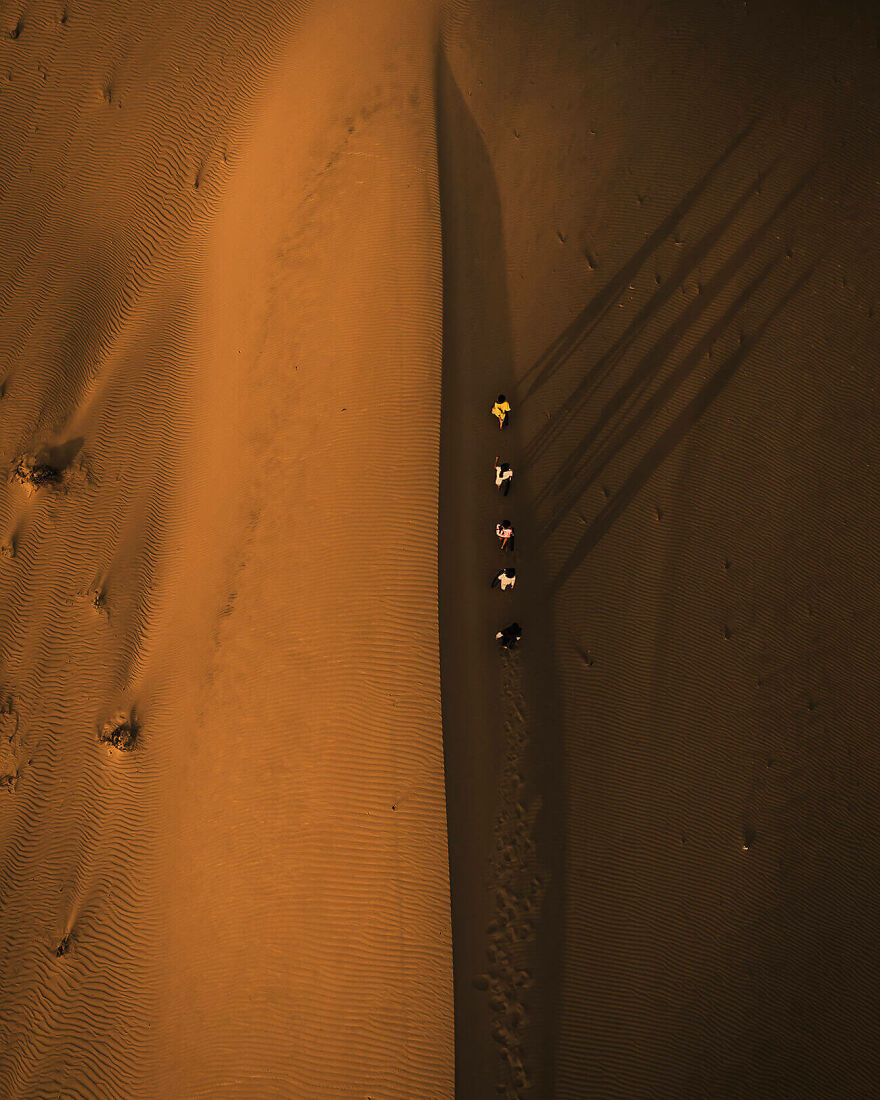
(120, 128)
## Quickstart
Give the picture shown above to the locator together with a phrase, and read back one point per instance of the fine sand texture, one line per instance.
(672, 219)
(277, 817)
(221, 338)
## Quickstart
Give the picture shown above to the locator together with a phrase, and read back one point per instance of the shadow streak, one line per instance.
(477, 364)
(664, 346)
(690, 259)
(668, 441)
(580, 328)
(583, 478)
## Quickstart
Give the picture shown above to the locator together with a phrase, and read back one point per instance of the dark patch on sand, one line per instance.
(123, 735)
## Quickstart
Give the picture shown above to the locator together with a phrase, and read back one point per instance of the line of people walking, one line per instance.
(505, 578)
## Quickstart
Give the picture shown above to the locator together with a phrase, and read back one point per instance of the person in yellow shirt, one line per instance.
(501, 409)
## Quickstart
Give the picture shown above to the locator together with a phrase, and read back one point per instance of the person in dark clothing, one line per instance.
(508, 637)
(503, 476)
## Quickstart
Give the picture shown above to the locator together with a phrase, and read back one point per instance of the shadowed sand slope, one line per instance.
(308, 910)
(221, 297)
(675, 209)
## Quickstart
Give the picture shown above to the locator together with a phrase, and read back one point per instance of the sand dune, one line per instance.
(222, 347)
(683, 199)
(321, 693)
(276, 817)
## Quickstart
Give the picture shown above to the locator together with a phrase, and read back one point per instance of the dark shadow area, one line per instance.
(653, 362)
(590, 468)
(62, 456)
(699, 440)
(567, 343)
(690, 260)
(477, 365)
(669, 440)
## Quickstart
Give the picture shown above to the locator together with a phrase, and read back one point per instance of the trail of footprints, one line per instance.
(518, 892)
(517, 888)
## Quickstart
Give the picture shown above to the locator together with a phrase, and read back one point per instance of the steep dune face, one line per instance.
(220, 430)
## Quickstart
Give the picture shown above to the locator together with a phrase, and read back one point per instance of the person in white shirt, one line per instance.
(504, 579)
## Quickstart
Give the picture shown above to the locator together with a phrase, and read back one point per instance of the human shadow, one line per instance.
(666, 443)
(653, 361)
(586, 472)
(688, 262)
(567, 343)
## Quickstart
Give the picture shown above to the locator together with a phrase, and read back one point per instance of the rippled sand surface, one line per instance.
(277, 819)
(222, 295)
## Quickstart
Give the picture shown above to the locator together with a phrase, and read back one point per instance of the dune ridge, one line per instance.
(322, 534)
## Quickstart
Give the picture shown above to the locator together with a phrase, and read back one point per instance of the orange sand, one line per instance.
(231, 302)
(263, 269)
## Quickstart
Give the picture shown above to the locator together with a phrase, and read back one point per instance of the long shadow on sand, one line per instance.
(568, 478)
(506, 888)
(568, 342)
(628, 410)
(670, 438)
(689, 261)
(667, 390)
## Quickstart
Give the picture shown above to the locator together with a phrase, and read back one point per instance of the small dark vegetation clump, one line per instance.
(53, 466)
(36, 474)
(63, 947)
(121, 735)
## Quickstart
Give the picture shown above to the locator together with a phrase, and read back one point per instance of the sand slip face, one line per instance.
(253, 902)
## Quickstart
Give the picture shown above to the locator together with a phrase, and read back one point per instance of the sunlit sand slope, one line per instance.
(115, 140)
(220, 284)
(308, 931)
